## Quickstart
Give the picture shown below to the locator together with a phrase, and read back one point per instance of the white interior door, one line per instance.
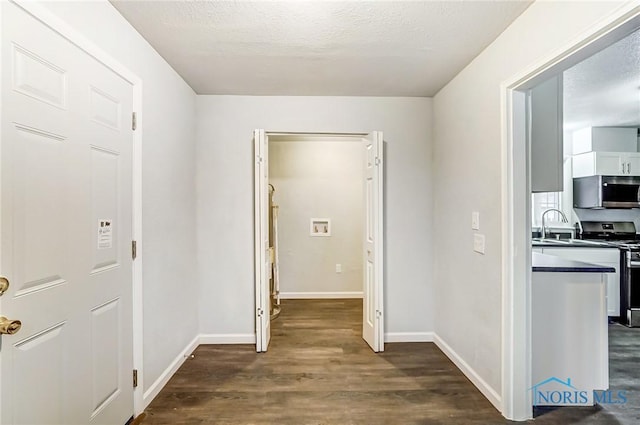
(276, 258)
(261, 231)
(66, 144)
(372, 311)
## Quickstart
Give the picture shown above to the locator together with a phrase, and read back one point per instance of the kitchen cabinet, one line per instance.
(606, 163)
(544, 115)
(633, 164)
(605, 139)
(603, 257)
(569, 335)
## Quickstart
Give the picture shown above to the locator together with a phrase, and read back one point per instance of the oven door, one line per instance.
(630, 289)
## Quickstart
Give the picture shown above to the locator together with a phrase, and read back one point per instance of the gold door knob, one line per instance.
(4, 285)
(9, 327)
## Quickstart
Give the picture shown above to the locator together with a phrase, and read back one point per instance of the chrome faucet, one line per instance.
(562, 216)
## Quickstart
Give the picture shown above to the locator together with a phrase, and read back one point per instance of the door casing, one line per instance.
(351, 137)
(516, 204)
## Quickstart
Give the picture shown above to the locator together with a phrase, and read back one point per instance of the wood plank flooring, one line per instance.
(624, 372)
(319, 371)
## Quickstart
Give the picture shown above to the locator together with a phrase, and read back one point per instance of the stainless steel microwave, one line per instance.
(606, 192)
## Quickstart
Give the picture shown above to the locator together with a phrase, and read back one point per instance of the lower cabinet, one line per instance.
(569, 338)
(601, 256)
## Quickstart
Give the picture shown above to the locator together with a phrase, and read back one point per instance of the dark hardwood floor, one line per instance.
(319, 371)
(624, 372)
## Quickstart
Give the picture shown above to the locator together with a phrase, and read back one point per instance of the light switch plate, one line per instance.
(338, 268)
(475, 220)
(478, 243)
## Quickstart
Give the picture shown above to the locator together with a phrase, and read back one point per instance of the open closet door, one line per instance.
(261, 232)
(372, 308)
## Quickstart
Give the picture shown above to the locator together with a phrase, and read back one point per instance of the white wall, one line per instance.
(467, 177)
(319, 179)
(168, 182)
(225, 198)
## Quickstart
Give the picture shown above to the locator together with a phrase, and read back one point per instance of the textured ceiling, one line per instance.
(358, 48)
(604, 89)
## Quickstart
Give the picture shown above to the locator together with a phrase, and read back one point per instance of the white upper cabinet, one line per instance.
(611, 151)
(545, 126)
(633, 164)
(605, 139)
(607, 164)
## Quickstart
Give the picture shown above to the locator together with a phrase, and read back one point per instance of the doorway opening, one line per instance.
(318, 225)
(518, 182)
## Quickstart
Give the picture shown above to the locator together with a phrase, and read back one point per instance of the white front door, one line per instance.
(372, 308)
(261, 232)
(66, 149)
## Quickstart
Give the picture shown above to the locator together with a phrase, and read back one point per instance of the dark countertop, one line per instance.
(553, 264)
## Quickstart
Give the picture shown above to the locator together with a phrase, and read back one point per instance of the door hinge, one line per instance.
(135, 378)
(134, 250)
(260, 312)
(377, 161)
(378, 313)
(134, 121)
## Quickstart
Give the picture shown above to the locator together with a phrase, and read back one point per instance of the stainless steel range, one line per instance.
(621, 234)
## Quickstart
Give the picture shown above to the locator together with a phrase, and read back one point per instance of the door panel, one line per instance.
(104, 190)
(105, 346)
(105, 109)
(65, 168)
(44, 348)
(38, 78)
(370, 308)
(40, 155)
(373, 317)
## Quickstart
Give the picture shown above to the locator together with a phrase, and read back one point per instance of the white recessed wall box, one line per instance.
(320, 227)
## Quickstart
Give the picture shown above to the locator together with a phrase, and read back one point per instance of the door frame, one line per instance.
(71, 34)
(516, 203)
(347, 137)
(261, 236)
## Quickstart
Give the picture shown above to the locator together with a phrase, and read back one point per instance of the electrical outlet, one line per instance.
(478, 243)
(338, 268)
(475, 220)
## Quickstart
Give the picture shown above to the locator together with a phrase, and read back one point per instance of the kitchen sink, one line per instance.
(550, 241)
(566, 242)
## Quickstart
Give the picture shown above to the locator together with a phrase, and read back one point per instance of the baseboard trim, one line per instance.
(319, 295)
(408, 337)
(212, 339)
(162, 380)
(488, 391)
